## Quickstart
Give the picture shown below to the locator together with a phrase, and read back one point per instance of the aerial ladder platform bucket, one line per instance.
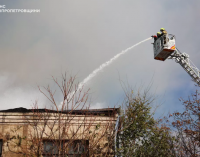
(163, 47)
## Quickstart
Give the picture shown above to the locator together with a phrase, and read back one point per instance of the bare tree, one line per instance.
(186, 126)
(70, 128)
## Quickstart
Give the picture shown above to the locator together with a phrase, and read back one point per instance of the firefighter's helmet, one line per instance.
(162, 29)
(158, 33)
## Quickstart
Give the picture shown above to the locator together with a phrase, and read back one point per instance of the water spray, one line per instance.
(102, 66)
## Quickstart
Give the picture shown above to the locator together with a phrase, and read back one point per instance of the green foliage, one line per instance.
(141, 134)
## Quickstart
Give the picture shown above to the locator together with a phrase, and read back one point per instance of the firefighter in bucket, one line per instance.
(164, 45)
(164, 36)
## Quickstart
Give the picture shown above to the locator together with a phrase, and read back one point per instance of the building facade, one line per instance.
(49, 133)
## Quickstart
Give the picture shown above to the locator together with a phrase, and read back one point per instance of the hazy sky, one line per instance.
(78, 36)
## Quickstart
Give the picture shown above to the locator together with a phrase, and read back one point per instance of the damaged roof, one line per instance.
(104, 111)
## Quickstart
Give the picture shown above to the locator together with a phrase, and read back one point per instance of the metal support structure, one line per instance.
(186, 63)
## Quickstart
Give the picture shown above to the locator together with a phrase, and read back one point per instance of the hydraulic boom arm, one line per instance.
(186, 63)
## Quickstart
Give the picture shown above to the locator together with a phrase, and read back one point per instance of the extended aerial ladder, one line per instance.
(166, 49)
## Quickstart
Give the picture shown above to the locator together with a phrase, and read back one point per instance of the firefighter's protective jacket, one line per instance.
(164, 32)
